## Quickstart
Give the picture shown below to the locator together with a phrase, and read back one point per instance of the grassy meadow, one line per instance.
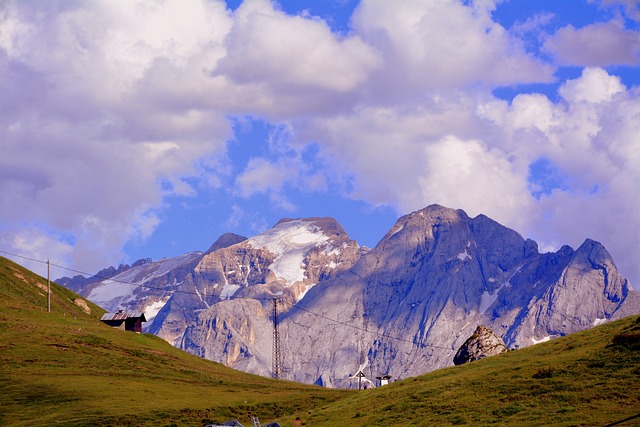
(579, 380)
(66, 368)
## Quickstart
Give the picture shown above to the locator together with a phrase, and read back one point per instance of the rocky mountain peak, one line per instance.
(327, 225)
(483, 343)
(292, 240)
(595, 254)
(424, 220)
(224, 241)
(413, 299)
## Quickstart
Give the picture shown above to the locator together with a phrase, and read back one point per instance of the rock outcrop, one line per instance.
(483, 343)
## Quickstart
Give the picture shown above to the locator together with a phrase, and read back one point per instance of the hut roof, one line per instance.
(122, 315)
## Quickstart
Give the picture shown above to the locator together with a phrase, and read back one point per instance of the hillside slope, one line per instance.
(590, 378)
(68, 368)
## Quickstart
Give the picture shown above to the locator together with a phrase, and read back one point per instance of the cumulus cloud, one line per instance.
(283, 169)
(36, 245)
(476, 153)
(438, 45)
(297, 52)
(468, 173)
(631, 8)
(600, 44)
(594, 86)
(111, 106)
(90, 144)
(590, 137)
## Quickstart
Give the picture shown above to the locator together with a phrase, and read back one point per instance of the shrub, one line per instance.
(544, 373)
(627, 340)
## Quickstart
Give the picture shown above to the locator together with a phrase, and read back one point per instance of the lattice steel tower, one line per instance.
(276, 360)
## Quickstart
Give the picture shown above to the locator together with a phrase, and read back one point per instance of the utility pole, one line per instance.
(48, 286)
(275, 357)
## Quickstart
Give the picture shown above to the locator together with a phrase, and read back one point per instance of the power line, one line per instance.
(368, 330)
(264, 299)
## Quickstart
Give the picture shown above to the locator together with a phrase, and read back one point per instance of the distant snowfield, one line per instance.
(290, 241)
(113, 293)
(109, 293)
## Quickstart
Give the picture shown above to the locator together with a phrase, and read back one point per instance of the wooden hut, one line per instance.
(125, 321)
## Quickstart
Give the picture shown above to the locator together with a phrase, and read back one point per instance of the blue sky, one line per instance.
(134, 129)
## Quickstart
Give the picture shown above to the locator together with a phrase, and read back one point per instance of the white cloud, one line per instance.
(437, 45)
(298, 51)
(631, 8)
(532, 24)
(261, 176)
(600, 44)
(592, 137)
(469, 174)
(37, 244)
(474, 153)
(239, 216)
(93, 133)
(595, 85)
(111, 106)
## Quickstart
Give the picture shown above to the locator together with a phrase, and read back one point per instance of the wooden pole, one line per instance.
(48, 286)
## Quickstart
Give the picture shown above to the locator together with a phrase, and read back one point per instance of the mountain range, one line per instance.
(402, 308)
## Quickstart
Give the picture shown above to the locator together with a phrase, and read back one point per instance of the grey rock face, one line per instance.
(402, 308)
(408, 304)
(286, 262)
(483, 343)
(224, 241)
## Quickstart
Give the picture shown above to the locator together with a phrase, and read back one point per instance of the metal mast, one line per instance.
(275, 357)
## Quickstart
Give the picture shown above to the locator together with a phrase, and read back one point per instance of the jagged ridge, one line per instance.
(402, 308)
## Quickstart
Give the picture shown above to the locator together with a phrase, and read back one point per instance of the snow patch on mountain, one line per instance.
(290, 241)
(228, 290)
(115, 293)
(399, 229)
(200, 296)
(110, 292)
(599, 321)
(464, 255)
(331, 251)
(306, 289)
(487, 300)
(545, 339)
(168, 264)
(151, 311)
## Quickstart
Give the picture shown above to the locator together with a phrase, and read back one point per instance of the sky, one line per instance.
(146, 129)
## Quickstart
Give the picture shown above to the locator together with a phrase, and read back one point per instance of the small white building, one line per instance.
(383, 380)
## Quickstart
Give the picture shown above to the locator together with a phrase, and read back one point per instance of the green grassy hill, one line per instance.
(591, 378)
(67, 368)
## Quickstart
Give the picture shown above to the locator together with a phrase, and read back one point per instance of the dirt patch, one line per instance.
(82, 304)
